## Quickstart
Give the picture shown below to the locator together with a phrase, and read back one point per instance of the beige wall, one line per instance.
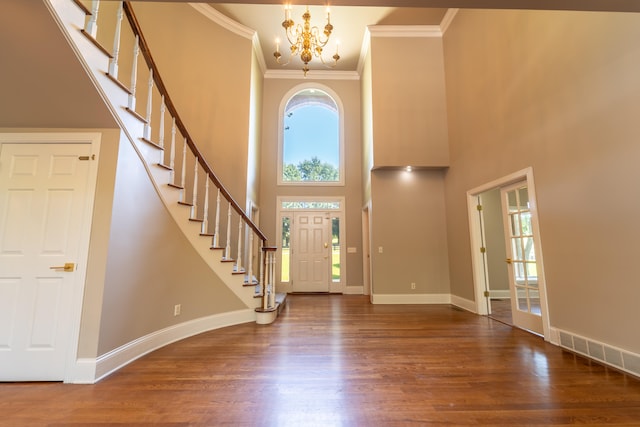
(409, 224)
(409, 107)
(208, 73)
(150, 265)
(557, 91)
(349, 93)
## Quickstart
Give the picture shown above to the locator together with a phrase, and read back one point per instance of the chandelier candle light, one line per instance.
(305, 40)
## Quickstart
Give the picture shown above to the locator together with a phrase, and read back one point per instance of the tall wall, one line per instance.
(408, 99)
(557, 91)
(404, 74)
(408, 236)
(150, 264)
(208, 72)
(349, 93)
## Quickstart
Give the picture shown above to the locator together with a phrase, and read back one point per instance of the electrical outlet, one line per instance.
(176, 309)
(413, 285)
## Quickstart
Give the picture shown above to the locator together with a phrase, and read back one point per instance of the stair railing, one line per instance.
(190, 173)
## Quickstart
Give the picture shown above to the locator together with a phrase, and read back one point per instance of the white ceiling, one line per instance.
(349, 24)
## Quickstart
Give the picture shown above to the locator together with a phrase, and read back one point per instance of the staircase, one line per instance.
(214, 223)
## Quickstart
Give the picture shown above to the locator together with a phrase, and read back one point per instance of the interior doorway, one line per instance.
(494, 254)
(511, 202)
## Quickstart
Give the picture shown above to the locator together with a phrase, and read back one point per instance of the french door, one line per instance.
(43, 206)
(521, 249)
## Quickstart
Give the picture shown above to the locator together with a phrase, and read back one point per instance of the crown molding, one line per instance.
(312, 75)
(224, 21)
(405, 30)
(447, 19)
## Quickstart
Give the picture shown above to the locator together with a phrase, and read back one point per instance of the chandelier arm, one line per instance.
(306, 41)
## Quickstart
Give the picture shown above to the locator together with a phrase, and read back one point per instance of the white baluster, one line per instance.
(272, 279)
(250, 259)
(134, 76)
(172, 153)
(183, 171)
(163, 108)
(227, 250)
(205, 222)
(92, 25)
(216, 231)
(263, 277)
(194, 198)
(147, 126)
(113, 64)
(239, 260)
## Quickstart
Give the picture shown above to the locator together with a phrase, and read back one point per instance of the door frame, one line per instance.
(366, 251)
(475, 234)
(72, 370)
(334, 287)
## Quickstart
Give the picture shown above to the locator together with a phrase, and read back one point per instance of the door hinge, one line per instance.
(92, 157)
(487, 294)
(479, 207)
(483, 250)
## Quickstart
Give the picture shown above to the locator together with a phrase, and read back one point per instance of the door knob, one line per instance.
(67, 267)
(508, 260)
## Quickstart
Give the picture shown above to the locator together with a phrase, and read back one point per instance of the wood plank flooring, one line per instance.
(339, 361)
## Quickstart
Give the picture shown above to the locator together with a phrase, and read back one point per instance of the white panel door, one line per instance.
(42, 201)
(310, 252)
(524, 280)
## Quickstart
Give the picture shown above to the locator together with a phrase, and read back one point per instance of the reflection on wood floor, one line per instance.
(501, 310)
(332, 360)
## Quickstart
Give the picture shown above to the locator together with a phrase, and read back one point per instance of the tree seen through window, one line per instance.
(311, 144)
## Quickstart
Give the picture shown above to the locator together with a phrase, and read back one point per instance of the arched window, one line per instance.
(310, 139)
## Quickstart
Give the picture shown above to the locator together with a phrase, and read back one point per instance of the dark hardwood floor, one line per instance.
(339, 361)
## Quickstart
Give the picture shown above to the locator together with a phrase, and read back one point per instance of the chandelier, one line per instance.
(305, 40)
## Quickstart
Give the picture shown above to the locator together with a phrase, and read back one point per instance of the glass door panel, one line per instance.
(521, 257)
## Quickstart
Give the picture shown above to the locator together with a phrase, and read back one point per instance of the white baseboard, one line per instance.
(500, 294)
(411, 299)
(353, 290)
(464, 303)
(90, 371)
(604, 353)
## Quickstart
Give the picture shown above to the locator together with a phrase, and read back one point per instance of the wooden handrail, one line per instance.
(146, 53)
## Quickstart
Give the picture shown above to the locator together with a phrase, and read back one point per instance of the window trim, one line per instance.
(283, 104)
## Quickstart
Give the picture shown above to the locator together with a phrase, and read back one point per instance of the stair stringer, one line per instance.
(70, 20)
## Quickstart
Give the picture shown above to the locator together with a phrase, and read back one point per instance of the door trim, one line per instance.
(477, 260)
(73, 372)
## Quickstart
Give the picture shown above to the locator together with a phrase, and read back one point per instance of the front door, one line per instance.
(524, 280)
(43, 189)
(311, 247)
